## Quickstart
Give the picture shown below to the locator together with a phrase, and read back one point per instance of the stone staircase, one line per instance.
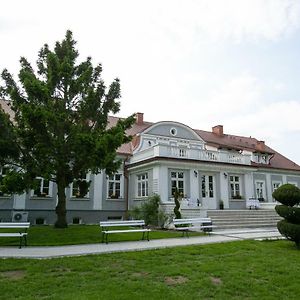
(233, 219)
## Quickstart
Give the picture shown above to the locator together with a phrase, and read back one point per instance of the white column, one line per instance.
(224, 188)
(269, 188)
(194, 185)
(249, 192)
(98, 190)
(163, 183)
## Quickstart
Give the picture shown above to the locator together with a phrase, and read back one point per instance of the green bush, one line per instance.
(287, 194)
(290, 231)
(150, 212)
(291, 214)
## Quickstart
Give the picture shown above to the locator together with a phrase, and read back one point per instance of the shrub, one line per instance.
(290, 231)
(177, 205)
(150, 212)
(287, 194)
(291, 214)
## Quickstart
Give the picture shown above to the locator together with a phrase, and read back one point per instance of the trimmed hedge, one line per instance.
(290, 231)
(287, 194)
(291, 214)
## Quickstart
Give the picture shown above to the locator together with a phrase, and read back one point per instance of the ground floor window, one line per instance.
(260, 190)
(207, 184)
(177, 182)
(80, 187)
(42, 187)
(275, 186)
(114, 186)
(235, 187)
(3, 172)
(142, 185)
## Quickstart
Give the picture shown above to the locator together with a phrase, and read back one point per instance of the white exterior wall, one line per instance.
(224, 192)
(98, 191)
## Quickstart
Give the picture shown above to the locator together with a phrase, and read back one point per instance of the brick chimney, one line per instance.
(260, 146)
(218, 130)
(139, 118)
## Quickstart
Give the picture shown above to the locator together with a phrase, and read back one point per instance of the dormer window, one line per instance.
(261, 158)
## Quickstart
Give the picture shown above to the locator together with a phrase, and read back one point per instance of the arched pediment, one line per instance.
(174, 130)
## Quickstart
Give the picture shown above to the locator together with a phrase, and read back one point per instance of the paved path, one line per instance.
(74, 250)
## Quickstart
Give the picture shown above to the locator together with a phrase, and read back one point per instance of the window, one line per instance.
(142, 185)
(42, 188)
(80, 187)
(207, 183)
(177, 181)
(260, 190)
(235, 189)
(275, 186)
(182, 152)
(3, 172)
(114, 186)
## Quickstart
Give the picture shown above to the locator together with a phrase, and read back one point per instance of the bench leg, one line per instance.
(106, 238)
(102, 233)
(148, 236)
(20, 242)
(143, 237)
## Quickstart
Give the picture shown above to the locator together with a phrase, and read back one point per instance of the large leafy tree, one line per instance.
(60, 129)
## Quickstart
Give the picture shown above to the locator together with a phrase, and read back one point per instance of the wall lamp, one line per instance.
(225, 175)
(195, 173)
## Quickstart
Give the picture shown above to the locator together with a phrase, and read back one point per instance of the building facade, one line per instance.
(207, 168)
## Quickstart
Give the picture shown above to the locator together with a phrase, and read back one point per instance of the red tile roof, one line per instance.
(227, 141)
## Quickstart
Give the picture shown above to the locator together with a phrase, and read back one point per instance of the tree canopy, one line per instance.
(60, 130)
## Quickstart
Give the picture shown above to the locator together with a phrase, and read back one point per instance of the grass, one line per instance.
(236, 270)
(80, 234)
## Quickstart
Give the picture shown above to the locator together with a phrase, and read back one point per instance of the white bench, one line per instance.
(22, 234)
(130, 226)
(185, 225)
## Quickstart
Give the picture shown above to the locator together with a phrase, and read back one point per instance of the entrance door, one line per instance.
(208, 191)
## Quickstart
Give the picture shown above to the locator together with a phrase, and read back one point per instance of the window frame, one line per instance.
(178, 181)
(72, 195)
(114, 183)
(142, 185)
(234, 192)
(41, 188)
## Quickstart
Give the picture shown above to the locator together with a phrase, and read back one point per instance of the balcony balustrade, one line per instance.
(194, 154)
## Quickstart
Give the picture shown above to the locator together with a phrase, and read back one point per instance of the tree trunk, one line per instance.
(61, 210)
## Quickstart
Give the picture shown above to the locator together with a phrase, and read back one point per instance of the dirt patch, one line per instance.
(14, 275)
(61, 270)
(216, 280)
(176, 280)
(140, 274)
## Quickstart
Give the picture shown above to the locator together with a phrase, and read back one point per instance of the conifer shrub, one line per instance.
(289, 195)
(177, 205)
(291, 214)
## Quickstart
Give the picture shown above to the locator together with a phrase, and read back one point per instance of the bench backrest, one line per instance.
(14, 225)
(122, 223)
(191, 221)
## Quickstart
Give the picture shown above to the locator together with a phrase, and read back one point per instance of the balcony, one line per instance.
(194, 154)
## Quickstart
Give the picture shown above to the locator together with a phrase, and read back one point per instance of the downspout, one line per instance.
(126, 185)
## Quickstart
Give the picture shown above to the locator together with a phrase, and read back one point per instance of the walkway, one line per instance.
(75, 250)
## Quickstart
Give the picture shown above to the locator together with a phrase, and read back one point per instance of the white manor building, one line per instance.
(206, 167)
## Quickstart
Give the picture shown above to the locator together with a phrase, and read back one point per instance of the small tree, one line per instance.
(60, 130)
(177, 198)
(288, 195)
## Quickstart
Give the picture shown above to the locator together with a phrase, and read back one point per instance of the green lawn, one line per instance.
(236, 270)
(79, 234)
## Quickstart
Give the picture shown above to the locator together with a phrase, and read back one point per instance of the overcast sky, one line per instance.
(202, 63)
